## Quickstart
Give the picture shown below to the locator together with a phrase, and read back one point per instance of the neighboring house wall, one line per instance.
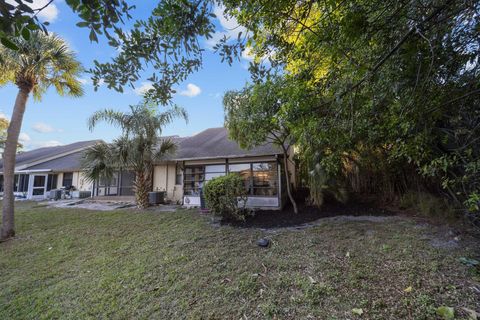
(80, 182)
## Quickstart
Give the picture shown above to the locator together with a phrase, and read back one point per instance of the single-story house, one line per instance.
(198, 159)
(41, 170)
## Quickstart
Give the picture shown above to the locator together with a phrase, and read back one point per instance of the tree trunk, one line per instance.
(142, 188)
(9, 153)
(287, 177)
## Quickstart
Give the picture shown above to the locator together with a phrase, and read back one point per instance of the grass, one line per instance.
(78, 264)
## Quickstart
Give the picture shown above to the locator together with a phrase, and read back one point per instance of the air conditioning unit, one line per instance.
(156, 197)
(55, 194)
(81, 194)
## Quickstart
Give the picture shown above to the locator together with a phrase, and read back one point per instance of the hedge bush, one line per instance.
(226, 197)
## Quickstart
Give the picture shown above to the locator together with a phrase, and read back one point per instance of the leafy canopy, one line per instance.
(388, 93)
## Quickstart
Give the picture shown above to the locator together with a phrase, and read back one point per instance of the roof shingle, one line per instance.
(214, 143)
(28, 157)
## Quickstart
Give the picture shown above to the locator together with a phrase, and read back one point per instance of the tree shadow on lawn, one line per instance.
(270, 219)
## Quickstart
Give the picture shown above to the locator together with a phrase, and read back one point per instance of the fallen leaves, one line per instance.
(357, 311)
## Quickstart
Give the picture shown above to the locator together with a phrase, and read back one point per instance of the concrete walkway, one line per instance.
(105, 205)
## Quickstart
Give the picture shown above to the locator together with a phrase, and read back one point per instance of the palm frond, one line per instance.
(98, 162)
(166, 147)
(41, 62)
(116, 118)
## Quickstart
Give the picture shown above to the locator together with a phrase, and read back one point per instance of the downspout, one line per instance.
(166, 182)
(152, 179)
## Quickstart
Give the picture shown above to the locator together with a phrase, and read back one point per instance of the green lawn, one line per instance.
(78, 264)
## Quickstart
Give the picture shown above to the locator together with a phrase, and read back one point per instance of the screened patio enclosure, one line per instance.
(262, 181)
(33, 185)
(121, 184)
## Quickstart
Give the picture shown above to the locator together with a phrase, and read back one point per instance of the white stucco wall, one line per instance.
(164, 180)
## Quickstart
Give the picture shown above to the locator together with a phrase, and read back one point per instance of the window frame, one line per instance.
(251, 186)
(63, 180)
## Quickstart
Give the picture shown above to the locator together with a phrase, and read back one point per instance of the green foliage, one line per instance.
(388, 91)
(254, 115)
(226, 197)
(385, 91)
(257, 115)
(18, 18)
(428, 205)
(446, 313)
(167, 42)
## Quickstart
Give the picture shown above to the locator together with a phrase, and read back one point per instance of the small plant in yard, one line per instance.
(226, 197)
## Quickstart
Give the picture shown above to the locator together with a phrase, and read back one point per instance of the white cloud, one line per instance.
(191, 91)
(4, 116)
(230, 24)
(84, 81)
(247, 54)
(41, 127)
(216, 37)
(143, 88)
(29, 144)
(48, 143)
(24, 138)
(229, 27)
(50, 13)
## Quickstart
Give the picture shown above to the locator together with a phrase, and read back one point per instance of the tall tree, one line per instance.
(137, 149)
(394, 85)
(256, 115)
(41, 62)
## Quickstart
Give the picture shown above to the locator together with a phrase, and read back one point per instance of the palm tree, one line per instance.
(137, 149)
(39, 63)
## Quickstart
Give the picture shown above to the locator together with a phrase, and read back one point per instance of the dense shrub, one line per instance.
(428, 205)
(226, 197)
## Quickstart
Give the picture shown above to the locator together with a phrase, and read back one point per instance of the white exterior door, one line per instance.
(37, 188)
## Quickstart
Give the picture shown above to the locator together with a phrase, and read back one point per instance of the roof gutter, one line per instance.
(30, 171)
(224, 157)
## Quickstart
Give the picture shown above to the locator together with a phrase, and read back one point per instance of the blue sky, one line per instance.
(61, 120)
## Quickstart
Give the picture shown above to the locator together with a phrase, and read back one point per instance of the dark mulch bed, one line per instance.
(287, 218)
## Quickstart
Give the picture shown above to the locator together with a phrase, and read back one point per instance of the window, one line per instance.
(261, 179)
(20, 183)
(265, 179)
(23, 182)
(67, 179)
(192, 180)
(245, 172)
(127, 179)
(178, 174)
(213, 171)
(112, 182)
(52, 182)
